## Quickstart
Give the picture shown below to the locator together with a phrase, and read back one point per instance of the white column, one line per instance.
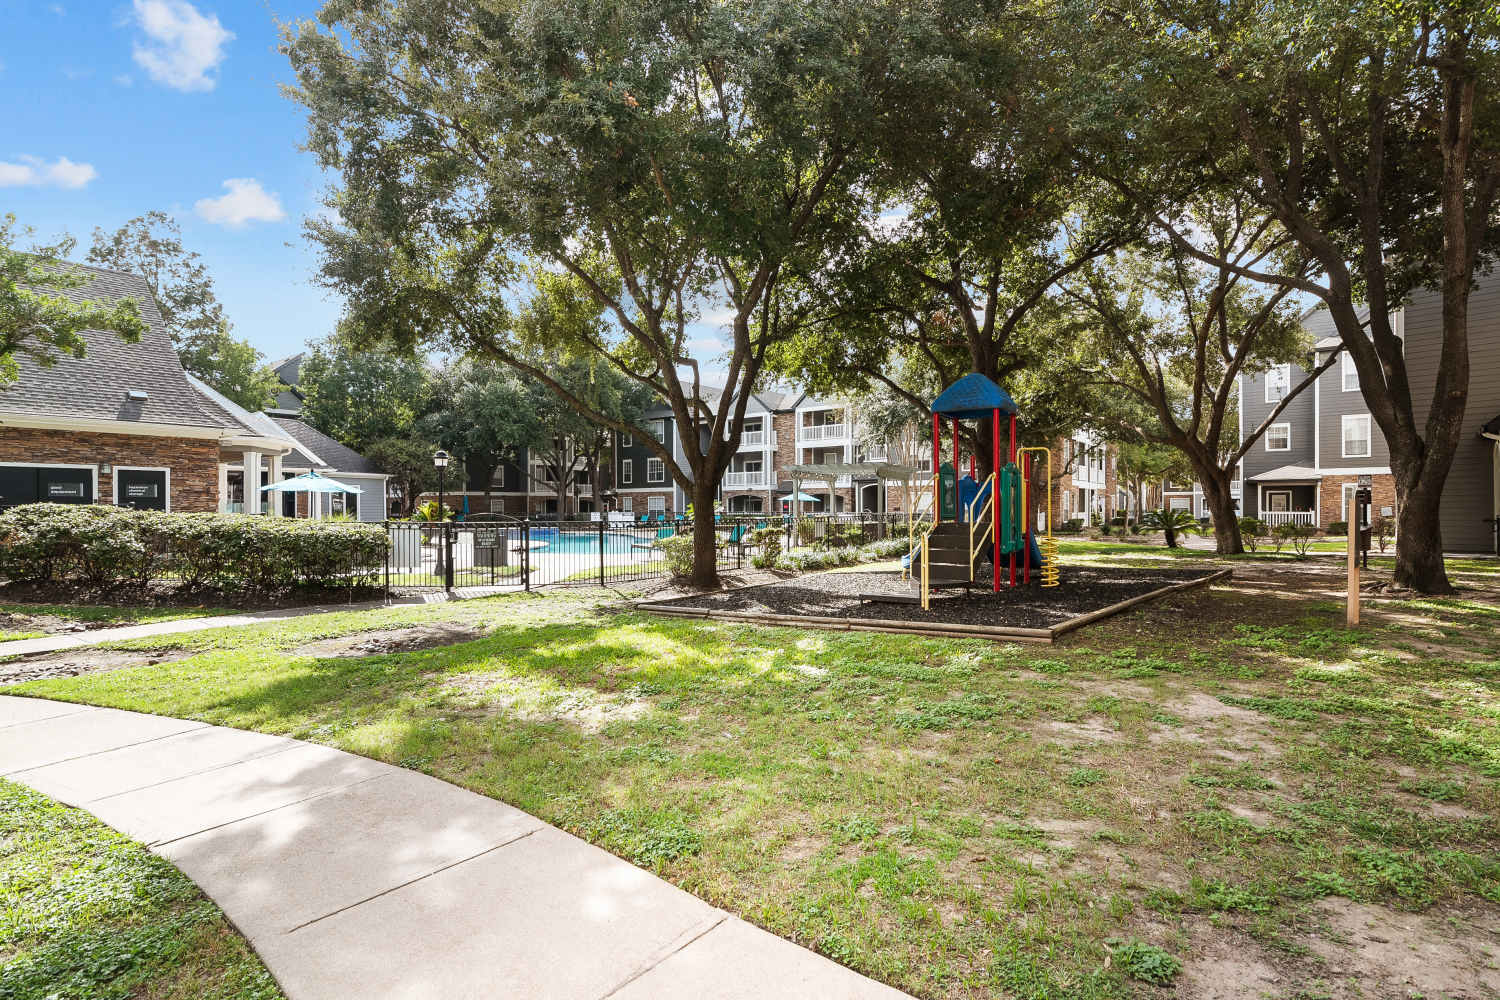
(275, 498)
(223, 487)
(252, 481)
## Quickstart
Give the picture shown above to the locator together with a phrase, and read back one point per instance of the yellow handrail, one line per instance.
(985, 515)
(918, 528)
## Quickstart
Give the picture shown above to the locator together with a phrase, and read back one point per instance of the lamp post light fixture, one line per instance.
(440, 462)
(445, 547)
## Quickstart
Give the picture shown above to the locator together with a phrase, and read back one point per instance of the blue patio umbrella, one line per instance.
(312, 483)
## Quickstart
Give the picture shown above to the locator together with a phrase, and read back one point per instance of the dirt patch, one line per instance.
(1395, 953)
(485, 693)
(89, 660)
(382, 642)
(842, 595)
(1079, 733)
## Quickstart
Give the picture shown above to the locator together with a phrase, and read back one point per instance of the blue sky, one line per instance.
(118, 107)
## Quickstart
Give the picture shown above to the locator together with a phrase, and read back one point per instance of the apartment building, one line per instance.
(1306, 468)
(782, 430)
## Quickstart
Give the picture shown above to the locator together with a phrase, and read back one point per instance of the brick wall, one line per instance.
(194, 462)
(1331, 496)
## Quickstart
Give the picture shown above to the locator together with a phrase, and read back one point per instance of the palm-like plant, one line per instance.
(1171, 523)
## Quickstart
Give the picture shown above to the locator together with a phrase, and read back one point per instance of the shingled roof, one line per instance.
(96, 386)
(332, 454)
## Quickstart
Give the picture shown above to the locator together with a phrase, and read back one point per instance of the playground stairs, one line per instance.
(948, 559)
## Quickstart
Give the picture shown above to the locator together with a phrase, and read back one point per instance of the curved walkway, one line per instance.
(353, 878)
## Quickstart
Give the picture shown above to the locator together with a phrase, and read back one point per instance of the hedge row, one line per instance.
(106, 548)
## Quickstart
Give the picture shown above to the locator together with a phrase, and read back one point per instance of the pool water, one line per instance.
(550, 540)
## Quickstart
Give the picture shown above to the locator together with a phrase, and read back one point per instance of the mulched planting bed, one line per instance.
(838, 595)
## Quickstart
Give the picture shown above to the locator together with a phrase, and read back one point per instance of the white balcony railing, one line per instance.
(744, 480)
(756, 440)
(822, 432)
(1275, 517)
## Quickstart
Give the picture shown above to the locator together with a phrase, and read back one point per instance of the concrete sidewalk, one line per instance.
(353, 878)
(92, 637)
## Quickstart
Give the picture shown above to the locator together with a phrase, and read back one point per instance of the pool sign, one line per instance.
(947, 493)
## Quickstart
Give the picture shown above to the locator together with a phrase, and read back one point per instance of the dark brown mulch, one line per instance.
(837, 595)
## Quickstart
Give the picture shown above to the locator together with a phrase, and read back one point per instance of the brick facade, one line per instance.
(194, 462)
(1331, 496)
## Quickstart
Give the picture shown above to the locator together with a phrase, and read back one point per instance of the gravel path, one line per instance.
(838, 595)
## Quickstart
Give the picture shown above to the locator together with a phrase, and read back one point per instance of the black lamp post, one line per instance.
(440, 462)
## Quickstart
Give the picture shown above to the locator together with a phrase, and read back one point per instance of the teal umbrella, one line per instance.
(309, 482)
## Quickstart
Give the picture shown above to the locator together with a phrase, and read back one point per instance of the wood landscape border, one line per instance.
(946, 630)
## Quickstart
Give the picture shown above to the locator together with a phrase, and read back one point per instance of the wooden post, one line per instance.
(1351, 616)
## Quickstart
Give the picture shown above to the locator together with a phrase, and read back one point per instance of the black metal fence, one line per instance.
(508, 553)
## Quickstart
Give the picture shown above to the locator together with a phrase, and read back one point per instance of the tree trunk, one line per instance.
(1419, 542)
(1226, 520)
(705, 539)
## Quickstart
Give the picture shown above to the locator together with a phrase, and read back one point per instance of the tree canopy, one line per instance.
(37, 318)
(151, 246)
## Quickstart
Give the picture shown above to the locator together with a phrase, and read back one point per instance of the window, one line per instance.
(1181, 503)
(1350, 373)
(627, 505)
(627, 472)
(656, 472)
(627, 441)
(499, 480)
(1278, 383)
(1357, 435)
(656, 505)
(659, 431)
(1279, 437)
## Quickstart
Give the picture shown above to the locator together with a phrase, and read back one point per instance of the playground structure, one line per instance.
(971, 520)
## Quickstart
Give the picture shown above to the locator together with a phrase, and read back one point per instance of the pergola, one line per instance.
(831, 472)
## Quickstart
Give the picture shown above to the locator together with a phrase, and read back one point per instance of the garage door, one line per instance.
(45, 483)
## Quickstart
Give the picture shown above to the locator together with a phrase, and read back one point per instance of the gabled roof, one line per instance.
(95, 387)
(1287, 474)
(257, 423)
(331, 454)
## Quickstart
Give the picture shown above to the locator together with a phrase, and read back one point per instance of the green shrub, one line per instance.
(1072, 526)
(678, 551)
(1340, 528)
(1300, 535)
(767, 543)
(1253, 531)
(108, 548)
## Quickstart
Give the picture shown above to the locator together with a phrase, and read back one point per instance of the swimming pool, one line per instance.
(550, 540)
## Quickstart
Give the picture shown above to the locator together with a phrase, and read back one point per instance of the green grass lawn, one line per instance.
(1228, 771)
(89, 913)
(102, 615)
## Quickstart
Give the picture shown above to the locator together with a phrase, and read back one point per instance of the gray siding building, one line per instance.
(1308, 465)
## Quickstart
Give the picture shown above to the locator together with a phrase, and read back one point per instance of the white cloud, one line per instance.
(33, 171)
(244, 201)
(183, 45)
(124, 80)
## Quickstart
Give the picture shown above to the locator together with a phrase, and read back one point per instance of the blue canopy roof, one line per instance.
(973, 397)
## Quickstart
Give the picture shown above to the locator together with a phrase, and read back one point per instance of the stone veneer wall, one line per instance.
(194, 462)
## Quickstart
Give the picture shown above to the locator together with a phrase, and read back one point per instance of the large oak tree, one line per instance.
(670, 156)
(1370, 131)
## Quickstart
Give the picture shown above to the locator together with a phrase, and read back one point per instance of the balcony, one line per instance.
(822, 432)
(757, 440)
(747, 480)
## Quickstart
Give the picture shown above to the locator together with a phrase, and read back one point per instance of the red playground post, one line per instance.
(995, 507)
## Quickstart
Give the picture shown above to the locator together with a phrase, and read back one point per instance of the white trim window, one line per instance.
(627, 440)
(1356, 436)
(627, 505)
(656, 505)
(627, 472)
(1279, 437)
(1278, 383)
(1349, 373)
(659, 431)
(656, 471)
